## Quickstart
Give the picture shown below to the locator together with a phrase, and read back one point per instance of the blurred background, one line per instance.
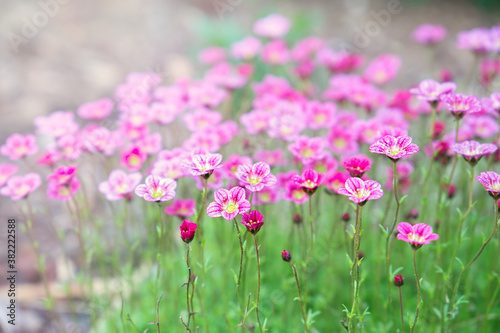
(58, 54)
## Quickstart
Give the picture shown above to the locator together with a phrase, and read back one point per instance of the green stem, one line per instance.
(418, 291)
(401, 306)
(258, 284)
(389, 234)
(311, 226)
(241, 258)
(355, 269)
(302, 307)
(187, 290)
(466, 267)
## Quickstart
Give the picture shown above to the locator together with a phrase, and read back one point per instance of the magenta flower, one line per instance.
(18, 187)
(203, 164)
(119, 185)
(429, 34)
(459, 104)
(255, 177)
(133, 158)
(63, 192)
(63, 174)
(431, 91)
(357, 165)
(18, 146)
(490, 180)
(309, 181)
(307, 149)
(253, 221)
(472, 151)
(360, 191)
(157, 189)
(272, 26)
(6, 171)
(188, 229)
(416, 235)
(96, 110)
(286, 256)
(394, 147)
(56, 124)
(228, 203)
(181, 208)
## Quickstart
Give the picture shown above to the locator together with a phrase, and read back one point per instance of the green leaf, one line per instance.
(437, 312)
(459, 213)
(383, 230)
(460, 261)
(403, 199)
(410, 321)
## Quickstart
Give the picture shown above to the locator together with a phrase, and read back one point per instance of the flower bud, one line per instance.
(297, 219)
(346, 217)
(398, 280)
(286, 256)
(188, 229)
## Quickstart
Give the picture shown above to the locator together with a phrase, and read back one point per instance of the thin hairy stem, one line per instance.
(418, 291)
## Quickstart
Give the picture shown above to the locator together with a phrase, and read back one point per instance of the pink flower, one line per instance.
(228, 203)
(295, 193)
(320, 115)
(246, 49)
(56, 124)
(63, 174)
(431, 91)
(307, 149)
(255, 121)
(394, 147)
(181, 208)
(360, 191)
(341, 61)
(202, 118)
(490, 180)
(18, 187)
(133, 158)
(102, 140)
(203, 164)
(150, 144)
(96, 110)
(63, 192)
(232, 163)
(6, 171)
(253, 221)
(272, 26)
(18, 146)
(70, 146)
(416, 235)
(382, 69)
(336, 181)
(157, 189)
(271, 157)
(357, 165)
(255, 177)
(472, 151)
(171, 168)
(429, 34)
(275, 53)
(477, 40)
(459, 104)
(309, 181)
(342, 141)
(212, 55)
(120, 185)
(188, 229)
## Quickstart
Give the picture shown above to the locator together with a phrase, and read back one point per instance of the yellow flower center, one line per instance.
(415, 238)
(231, 207)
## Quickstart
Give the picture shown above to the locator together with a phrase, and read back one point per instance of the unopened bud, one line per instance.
(286, 256)
(398, 280)
(346, 217)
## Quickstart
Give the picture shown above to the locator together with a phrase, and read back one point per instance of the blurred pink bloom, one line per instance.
(489, 70)
(215, 182)
(255, 121)
(157, 189)
(394, 147)
(188, 230)
(255, 177)
(150, 144)
(18, 146)
(309, 181)
(164, 113)
(228, 203)
(304, 69)
(476, 40)
(267, 195)
(102, 140)
(203, 164)
(232, 163)
(56, 124)
(206, 94)
(49, 157)
(482, 126)
(224, 75)
(96, 110)
(306, 48)
(326, 165)
(320, 115)
(272, 26)
(431, 91)
(342, 141)
(403, 172)
(132, 132)
(307, 149)
(342, 61)
(207, 140)
(168, 168)
(181, 208)
(416, 235)
(357, 165)
(63, 174)
(472, 151)
(271, 157)
(18, 187)
(460, 105)
(6, 171)
(63, 192)
(360, 191)
(120, 185)
(212, 55)
(295, 193)
(70, 147)
(382, 69)
(253, 221)
(287, 121)
(491, 181)
(336, 181)
(133, 158)
(246, 49)
(275, 53)
(429, 34)
(202, 118)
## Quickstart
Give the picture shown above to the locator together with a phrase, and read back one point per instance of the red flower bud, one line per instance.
(188, 229)
(398, 280)
(286, 256)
